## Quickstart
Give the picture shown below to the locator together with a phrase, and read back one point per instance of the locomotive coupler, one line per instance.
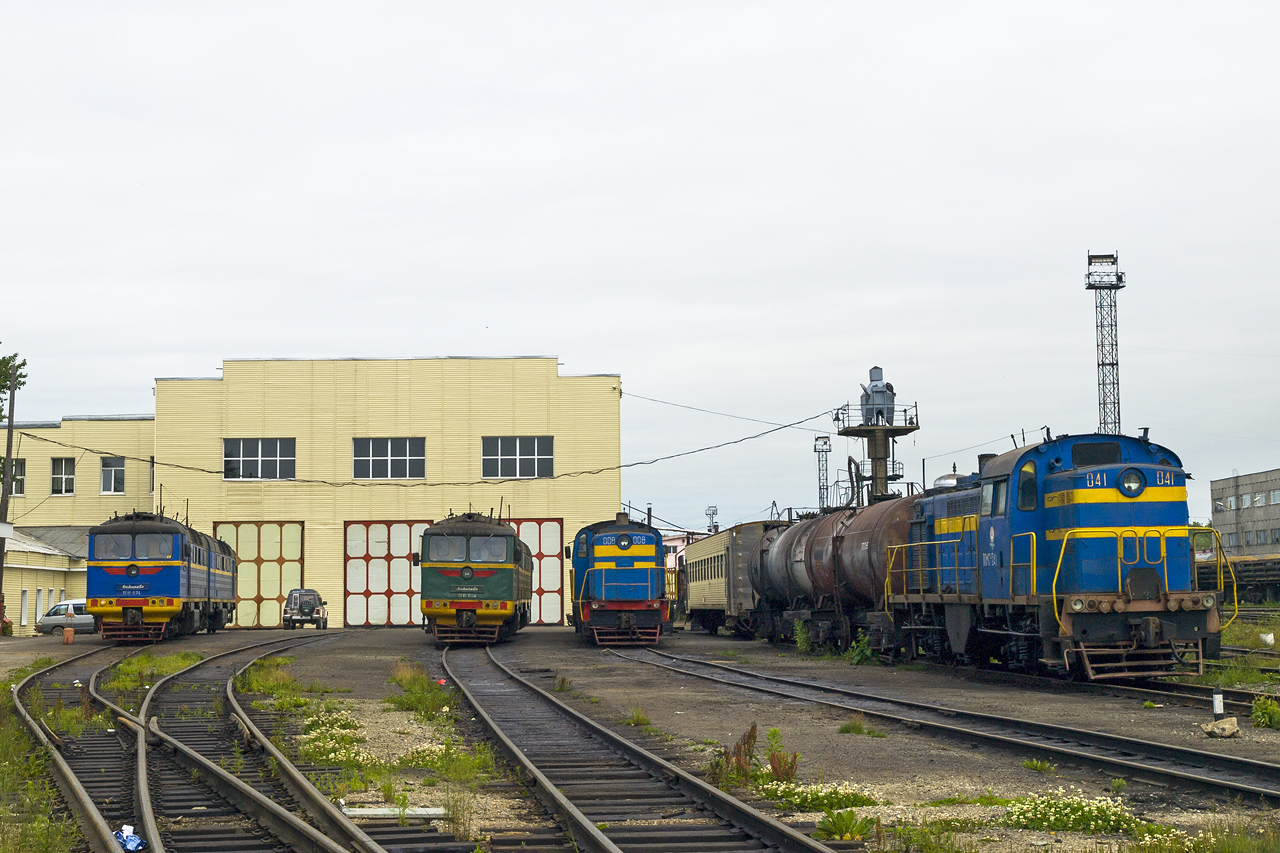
(1152, 631)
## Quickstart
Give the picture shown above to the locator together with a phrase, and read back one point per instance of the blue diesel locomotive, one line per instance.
(1071, 555)
(152, 577)
(619, 583)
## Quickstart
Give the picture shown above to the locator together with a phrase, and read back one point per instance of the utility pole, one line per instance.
(822, 448)
(7, 488)
(1104, 279)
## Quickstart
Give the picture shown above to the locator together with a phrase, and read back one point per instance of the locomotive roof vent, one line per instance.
(877, 400)
(622, 518)
(983, 459)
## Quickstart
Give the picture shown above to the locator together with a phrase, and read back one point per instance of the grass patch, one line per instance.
(1039, 766)
(143, 670)
(636, 717)
(428, 700)
(1265, 713)
(858, 726)
(32, 820)
(987, 799)
(561, 684)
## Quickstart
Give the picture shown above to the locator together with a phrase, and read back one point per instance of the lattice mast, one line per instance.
(1104, 279)
(822, 449)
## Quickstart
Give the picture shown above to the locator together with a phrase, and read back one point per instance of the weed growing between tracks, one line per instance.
(31, 819)
(333, 736)
(143, 670)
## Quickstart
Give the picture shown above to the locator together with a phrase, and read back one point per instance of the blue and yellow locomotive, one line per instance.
(619, 583)
(1073, 554)
(152, 577)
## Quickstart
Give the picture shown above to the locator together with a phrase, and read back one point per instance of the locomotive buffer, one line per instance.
(880, 432)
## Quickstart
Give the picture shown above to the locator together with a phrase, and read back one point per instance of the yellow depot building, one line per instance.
(323, 474)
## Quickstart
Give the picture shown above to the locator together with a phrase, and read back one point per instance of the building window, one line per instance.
(64, 477)
(1233, 540)
(1246, 500)
(517, 456)
(112, 475)
(1231, 501)
(18, 486)
(1264, 537)
(1259, 498)
(1248, 537)
(389, 458)
(22, 619)
(258, 458)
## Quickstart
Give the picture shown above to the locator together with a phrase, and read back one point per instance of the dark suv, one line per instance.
(304, 606)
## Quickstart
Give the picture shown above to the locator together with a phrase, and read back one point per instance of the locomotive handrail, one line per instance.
(1119, 535)
(1034, 565)
(924, 570)
(1221, 561)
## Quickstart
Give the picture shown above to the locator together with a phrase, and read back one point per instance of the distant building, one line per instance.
(324, 473)
(1246, 512)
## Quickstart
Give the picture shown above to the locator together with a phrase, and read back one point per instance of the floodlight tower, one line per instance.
(1104, 279)
(822, 447)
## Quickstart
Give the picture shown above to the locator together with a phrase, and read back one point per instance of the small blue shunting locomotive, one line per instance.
(151, 577)
(619, 583)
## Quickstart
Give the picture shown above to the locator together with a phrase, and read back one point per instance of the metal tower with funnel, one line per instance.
(882, 423)
(1104, 279)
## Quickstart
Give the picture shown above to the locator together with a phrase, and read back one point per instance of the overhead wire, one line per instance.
(423, 484)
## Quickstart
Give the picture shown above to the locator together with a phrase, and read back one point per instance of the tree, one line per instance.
(13, 375)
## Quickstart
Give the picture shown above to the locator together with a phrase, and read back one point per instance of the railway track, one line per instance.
(1214, 773)
(609, 794)
(191, 771)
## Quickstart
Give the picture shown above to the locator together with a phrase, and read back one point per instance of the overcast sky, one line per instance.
(737, 206)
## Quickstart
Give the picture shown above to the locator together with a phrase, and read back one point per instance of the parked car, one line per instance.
(302, 607)
(57, 618)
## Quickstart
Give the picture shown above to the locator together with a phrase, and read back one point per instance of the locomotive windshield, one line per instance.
(489, 549)
(112, 546)
(154, 546)
(122, 546)
(447, 549)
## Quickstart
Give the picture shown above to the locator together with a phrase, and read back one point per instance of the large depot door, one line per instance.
(382, 587)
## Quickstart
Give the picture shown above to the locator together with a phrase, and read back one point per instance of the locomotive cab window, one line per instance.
(447, 549)
(489, 549)
(112, 546)
(154, 546)
(994, 497)
(1095, 453)
(1028, 495)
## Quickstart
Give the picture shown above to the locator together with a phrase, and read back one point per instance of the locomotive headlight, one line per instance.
(468, 573)
(1132, 483)
(624, 541)
(1209, 601)
(1077, 604)
(132, 571)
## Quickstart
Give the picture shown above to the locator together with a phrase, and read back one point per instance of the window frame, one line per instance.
(388, 451)
(116, 476)
(279, 460)
(18, 478)
(995, 497)
(517, 457)
(1028, 500)
(59, 478)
